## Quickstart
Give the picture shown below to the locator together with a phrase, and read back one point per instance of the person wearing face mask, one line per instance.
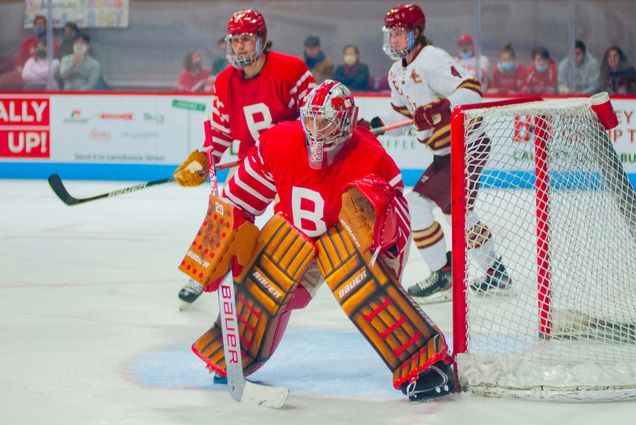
(508, 77)
(542, 75)
(194, 77)
(28, 46)
(467, 58)
(80, 71)
(352, 73)
(69, 32)
(36, 70)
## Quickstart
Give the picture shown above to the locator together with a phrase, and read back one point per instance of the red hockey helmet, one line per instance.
(247, 21)
(401, 21)
(245, 26)
(405, 16)
(328, 118)
(464, 39)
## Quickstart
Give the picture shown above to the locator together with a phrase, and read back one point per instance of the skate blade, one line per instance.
(184, 305)
(436, 298)
(494, 293)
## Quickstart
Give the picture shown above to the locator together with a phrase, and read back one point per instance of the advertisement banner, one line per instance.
(130, 135)
(86, 14)
(24, 127)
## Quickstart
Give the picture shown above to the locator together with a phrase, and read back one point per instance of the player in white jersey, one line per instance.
(426, 83)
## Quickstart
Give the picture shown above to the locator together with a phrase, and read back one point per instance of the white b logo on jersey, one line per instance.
(308, 209)
(258, 111)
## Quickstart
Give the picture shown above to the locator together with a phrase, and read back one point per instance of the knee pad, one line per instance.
(263, 291)
(421, 210)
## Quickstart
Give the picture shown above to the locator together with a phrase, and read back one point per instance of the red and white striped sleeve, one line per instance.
(251, 188)
(221, 136)
(402, 213)
(301, 88)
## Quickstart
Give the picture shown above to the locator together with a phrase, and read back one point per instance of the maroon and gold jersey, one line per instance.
(243, 108)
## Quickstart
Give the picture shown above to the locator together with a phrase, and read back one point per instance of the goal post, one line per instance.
(545, 179)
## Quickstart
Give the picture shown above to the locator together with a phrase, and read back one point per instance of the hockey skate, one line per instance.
(437, 288)
(496, 282)
(436, 381)
(189, 293)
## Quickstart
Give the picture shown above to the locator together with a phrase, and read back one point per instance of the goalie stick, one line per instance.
(55, 181)
(240, 388)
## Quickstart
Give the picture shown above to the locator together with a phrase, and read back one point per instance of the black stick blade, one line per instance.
(58, 187)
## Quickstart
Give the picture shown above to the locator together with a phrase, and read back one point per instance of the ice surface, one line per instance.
(90, 331)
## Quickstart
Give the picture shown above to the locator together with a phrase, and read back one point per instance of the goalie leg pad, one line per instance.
(263, 291)
(220, 239)
(400, 332)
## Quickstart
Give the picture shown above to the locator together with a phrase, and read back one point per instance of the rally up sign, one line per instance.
(24, 127)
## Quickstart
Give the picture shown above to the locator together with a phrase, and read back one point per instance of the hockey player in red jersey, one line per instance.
(258, 90)
(426, 83)
(342, 219)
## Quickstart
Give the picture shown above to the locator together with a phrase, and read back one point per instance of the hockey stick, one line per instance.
(240, 388)
(390, 127)
(57, 185)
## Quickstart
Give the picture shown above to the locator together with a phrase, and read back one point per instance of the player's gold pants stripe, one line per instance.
(263, 289)
(478, 235)
(378, 306)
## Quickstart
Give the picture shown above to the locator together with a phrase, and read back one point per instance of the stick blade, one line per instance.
(58, 188)
(260, 395)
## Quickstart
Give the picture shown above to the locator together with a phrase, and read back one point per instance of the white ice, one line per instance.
(90, 331)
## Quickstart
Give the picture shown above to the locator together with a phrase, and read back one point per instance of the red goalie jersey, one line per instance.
(243, 108)
(311, 199)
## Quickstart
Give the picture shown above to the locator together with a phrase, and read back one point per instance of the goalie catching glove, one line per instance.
(193, 171)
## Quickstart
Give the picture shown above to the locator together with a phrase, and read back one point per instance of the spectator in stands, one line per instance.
(316, 61)
(220, 63)
(353, 74)
(80, 71)
(468, 60)
(618, 76)
(585, 69)
(69, 32)
(35, 72)
(28, 46)
(509, 76)
(542, 75)
(194, 77)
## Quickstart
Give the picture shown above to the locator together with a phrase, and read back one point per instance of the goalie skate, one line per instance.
(189, 293)
(436, 381)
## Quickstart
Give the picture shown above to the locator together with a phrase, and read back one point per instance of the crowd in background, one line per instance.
(73, 67)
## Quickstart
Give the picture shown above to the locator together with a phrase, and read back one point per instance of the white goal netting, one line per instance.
(563, 215)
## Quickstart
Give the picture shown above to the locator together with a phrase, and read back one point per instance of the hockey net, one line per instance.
(562, 213)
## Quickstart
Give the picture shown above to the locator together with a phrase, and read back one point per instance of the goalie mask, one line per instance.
(328, 118)
(399, 23)
(246, 37)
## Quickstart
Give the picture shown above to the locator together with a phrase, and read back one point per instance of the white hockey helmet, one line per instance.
(328, 118)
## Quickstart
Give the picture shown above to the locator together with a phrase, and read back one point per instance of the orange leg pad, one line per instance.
(400, 332)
